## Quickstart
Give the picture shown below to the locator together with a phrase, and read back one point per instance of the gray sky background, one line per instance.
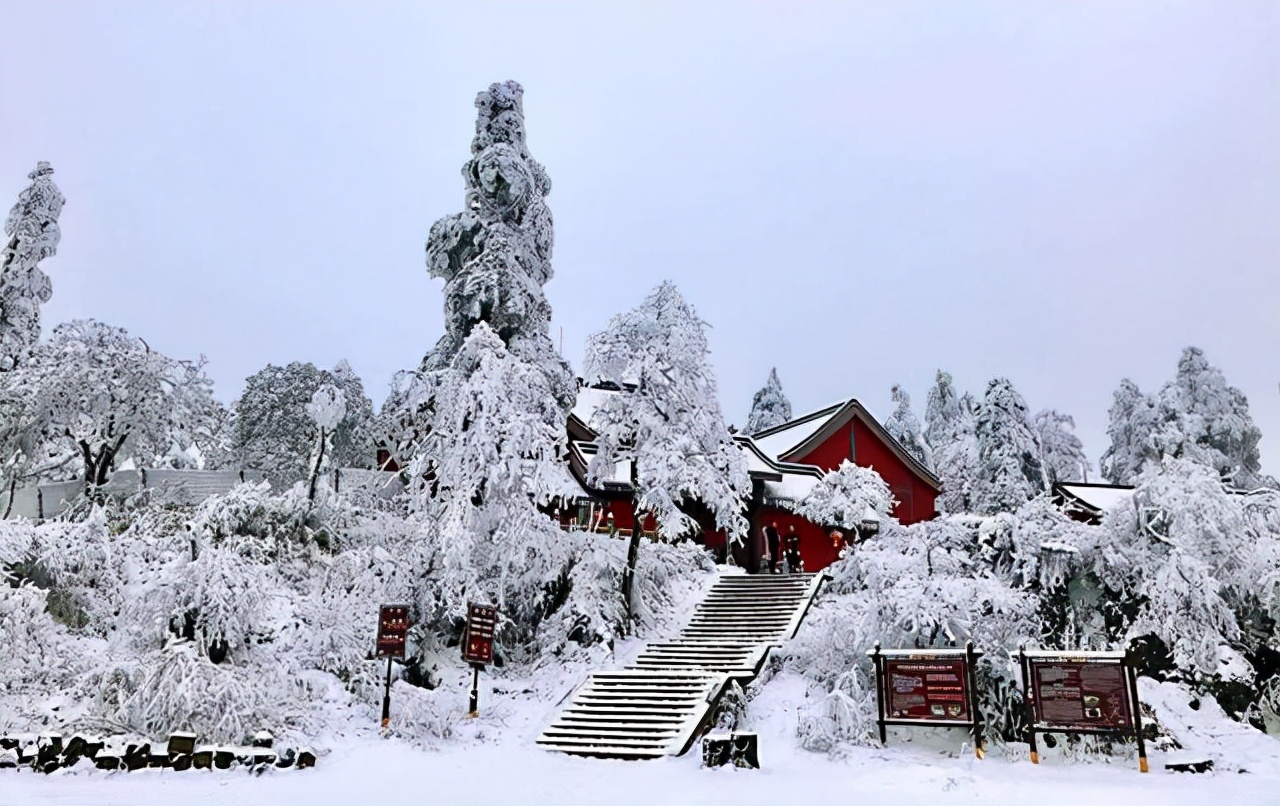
(1063, 193)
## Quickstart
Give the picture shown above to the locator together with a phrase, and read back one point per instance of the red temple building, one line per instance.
(784, 463)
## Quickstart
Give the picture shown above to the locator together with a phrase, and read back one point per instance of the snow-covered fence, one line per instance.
(37, 502)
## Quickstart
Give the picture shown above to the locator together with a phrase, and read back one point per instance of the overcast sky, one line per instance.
(1065, 194)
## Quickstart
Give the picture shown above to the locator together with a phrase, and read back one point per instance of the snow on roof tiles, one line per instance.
(1101, 498)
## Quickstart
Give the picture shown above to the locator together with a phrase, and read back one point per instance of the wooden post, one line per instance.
(881, 692)
(1131, 679)
(474, 710)
(386, 698)
(1028, 695)
(971, 664)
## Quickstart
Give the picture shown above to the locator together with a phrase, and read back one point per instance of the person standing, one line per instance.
(771, 546)
(794, 563)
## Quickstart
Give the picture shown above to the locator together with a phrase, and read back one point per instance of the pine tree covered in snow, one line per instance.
(903, 426)
(1009, 469)
(950, 433)
(93, 396)
(666, 422)
(1196, 415)
(769, 407)
(32, 234)
(1061, 451)
(1133, 423)
(275, 434)
(494, 258)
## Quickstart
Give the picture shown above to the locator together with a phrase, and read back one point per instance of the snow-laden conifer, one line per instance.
(1009, 470)
(494, 258)
(1133, 420)
(31, 235)
(950, 434)
(903, 426)
(666, 423)
(769, 406)
(1061, 451)
(492, 458)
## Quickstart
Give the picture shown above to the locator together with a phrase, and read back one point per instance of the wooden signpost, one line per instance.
(477, 646)
(393, 625)
(1081, 692)
(928, 687)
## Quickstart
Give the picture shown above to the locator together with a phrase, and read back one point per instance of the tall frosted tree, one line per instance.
(950, 433)
(769, 406)
(489, 404)
(494, 258)
(666, 422)
(1009, 469)
(903, 426)
(32, 234)
(1061, 451)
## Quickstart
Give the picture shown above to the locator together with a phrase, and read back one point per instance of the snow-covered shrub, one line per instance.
(846, 498)
(182, 690)
(40, 658)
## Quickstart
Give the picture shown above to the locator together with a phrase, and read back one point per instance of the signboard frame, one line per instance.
(1069, 665)
(957, 664)
(477, 636)
(393, 626)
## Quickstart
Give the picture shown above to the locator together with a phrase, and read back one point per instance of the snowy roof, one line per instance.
(1097, 497)
(782, 439)
(793, 438)
(589, 399)
(792, 487)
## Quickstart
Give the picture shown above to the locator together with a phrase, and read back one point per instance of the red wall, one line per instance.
(916, 499)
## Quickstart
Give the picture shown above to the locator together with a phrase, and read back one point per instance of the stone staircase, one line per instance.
(661, 703)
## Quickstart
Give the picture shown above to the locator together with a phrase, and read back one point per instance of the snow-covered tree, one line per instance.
(1196, 415)
(494, 258)
(493, 458)
(846, 498)
(950, 434)
(666, 422)
(488, 405)
(93, 396)
(903, 426)
(275, 434)
(327, 408)
(1133, 422)
(1205, 418)
(32, 234)
(1009, 469)
(1061, 451)
(769, 407)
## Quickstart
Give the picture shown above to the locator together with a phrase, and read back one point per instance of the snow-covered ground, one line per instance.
(495, 761)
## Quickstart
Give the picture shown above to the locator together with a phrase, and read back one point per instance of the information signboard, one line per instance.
(393, 624)
(928, 690)
(1081, 692)
(928, 687)
(477, 640)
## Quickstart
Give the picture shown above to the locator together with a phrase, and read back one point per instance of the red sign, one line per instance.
(477, 639)
(1080, 693)
(393, 624)
(926, 690)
